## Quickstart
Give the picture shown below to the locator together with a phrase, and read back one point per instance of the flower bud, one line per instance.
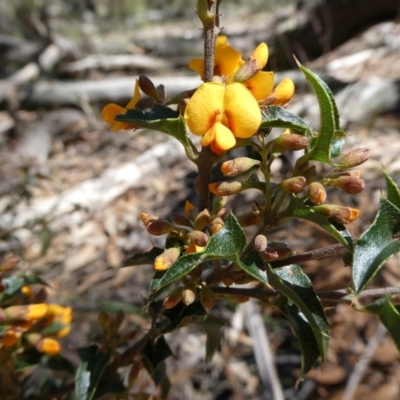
(199, 238)
(180, 219)
(166, 259)
(207, 297)
(9, 263)
(173, 298)
(260, 243)
(227, 281)
(147, 218)
(354, 158)
(316, 192)
(246, 71)
(338, 214)
(161, 93)
(222, 213)
(226, 188)
(202, 220)
(27, 312)
(282, 250)
(216, 225)
(269, 254)
(294, 185)
(189, 293)
(238, 166)
(147, 87)
(159, 227)
(281, 94)
(348, 184)
(292, 141)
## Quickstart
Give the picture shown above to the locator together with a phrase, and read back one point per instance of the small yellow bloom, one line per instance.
(57, 313)
(110, 111)
(48, 346)
(228, 61)
(221, 114)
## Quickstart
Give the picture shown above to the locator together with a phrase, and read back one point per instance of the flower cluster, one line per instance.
(27, 321)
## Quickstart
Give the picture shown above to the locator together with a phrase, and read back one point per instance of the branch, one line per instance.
(341, 295)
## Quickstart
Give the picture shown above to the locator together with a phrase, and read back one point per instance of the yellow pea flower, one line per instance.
(228, 61)
(110, 111)
(221, 114)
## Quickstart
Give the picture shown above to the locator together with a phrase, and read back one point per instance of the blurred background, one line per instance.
(71, 190)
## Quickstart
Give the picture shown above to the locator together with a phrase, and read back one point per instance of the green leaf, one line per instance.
(389, 315)
(255, 267)
(294, 284)
(299, 210)
(143, 258)
(278, 117)
(212, 326)
(393, 191)
(308, 343)
(375, 245)
(89, 372)
(160, 118)
(329, 120)
(155, 353)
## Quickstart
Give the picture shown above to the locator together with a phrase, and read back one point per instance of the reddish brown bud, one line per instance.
(238, 166)
(338, 214)
(199, 238)
(294, 185)
(282, 250)
(316, 192)
(202, 220)
(173, 298)
(226, 188)
(292, 141)
(180, 219)
(260, 243)
(348, 184)
(354, 158)
(269, 254)
(189, 293)
(147, 86)
(166, 259)
(207, 297)
(159, 227)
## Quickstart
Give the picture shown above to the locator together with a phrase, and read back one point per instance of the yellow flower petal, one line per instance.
(261, 55)
(208, 137)
(226, 62)
(224, 137)
(110, 111)
(282, 93)
(242, 113)
(197, 64)
(205, 108)
(260, 85)
(136, 96)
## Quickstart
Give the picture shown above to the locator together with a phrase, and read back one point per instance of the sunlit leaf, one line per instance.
(376, 245)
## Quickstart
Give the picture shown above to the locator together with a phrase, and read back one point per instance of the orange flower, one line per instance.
(110, 111)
